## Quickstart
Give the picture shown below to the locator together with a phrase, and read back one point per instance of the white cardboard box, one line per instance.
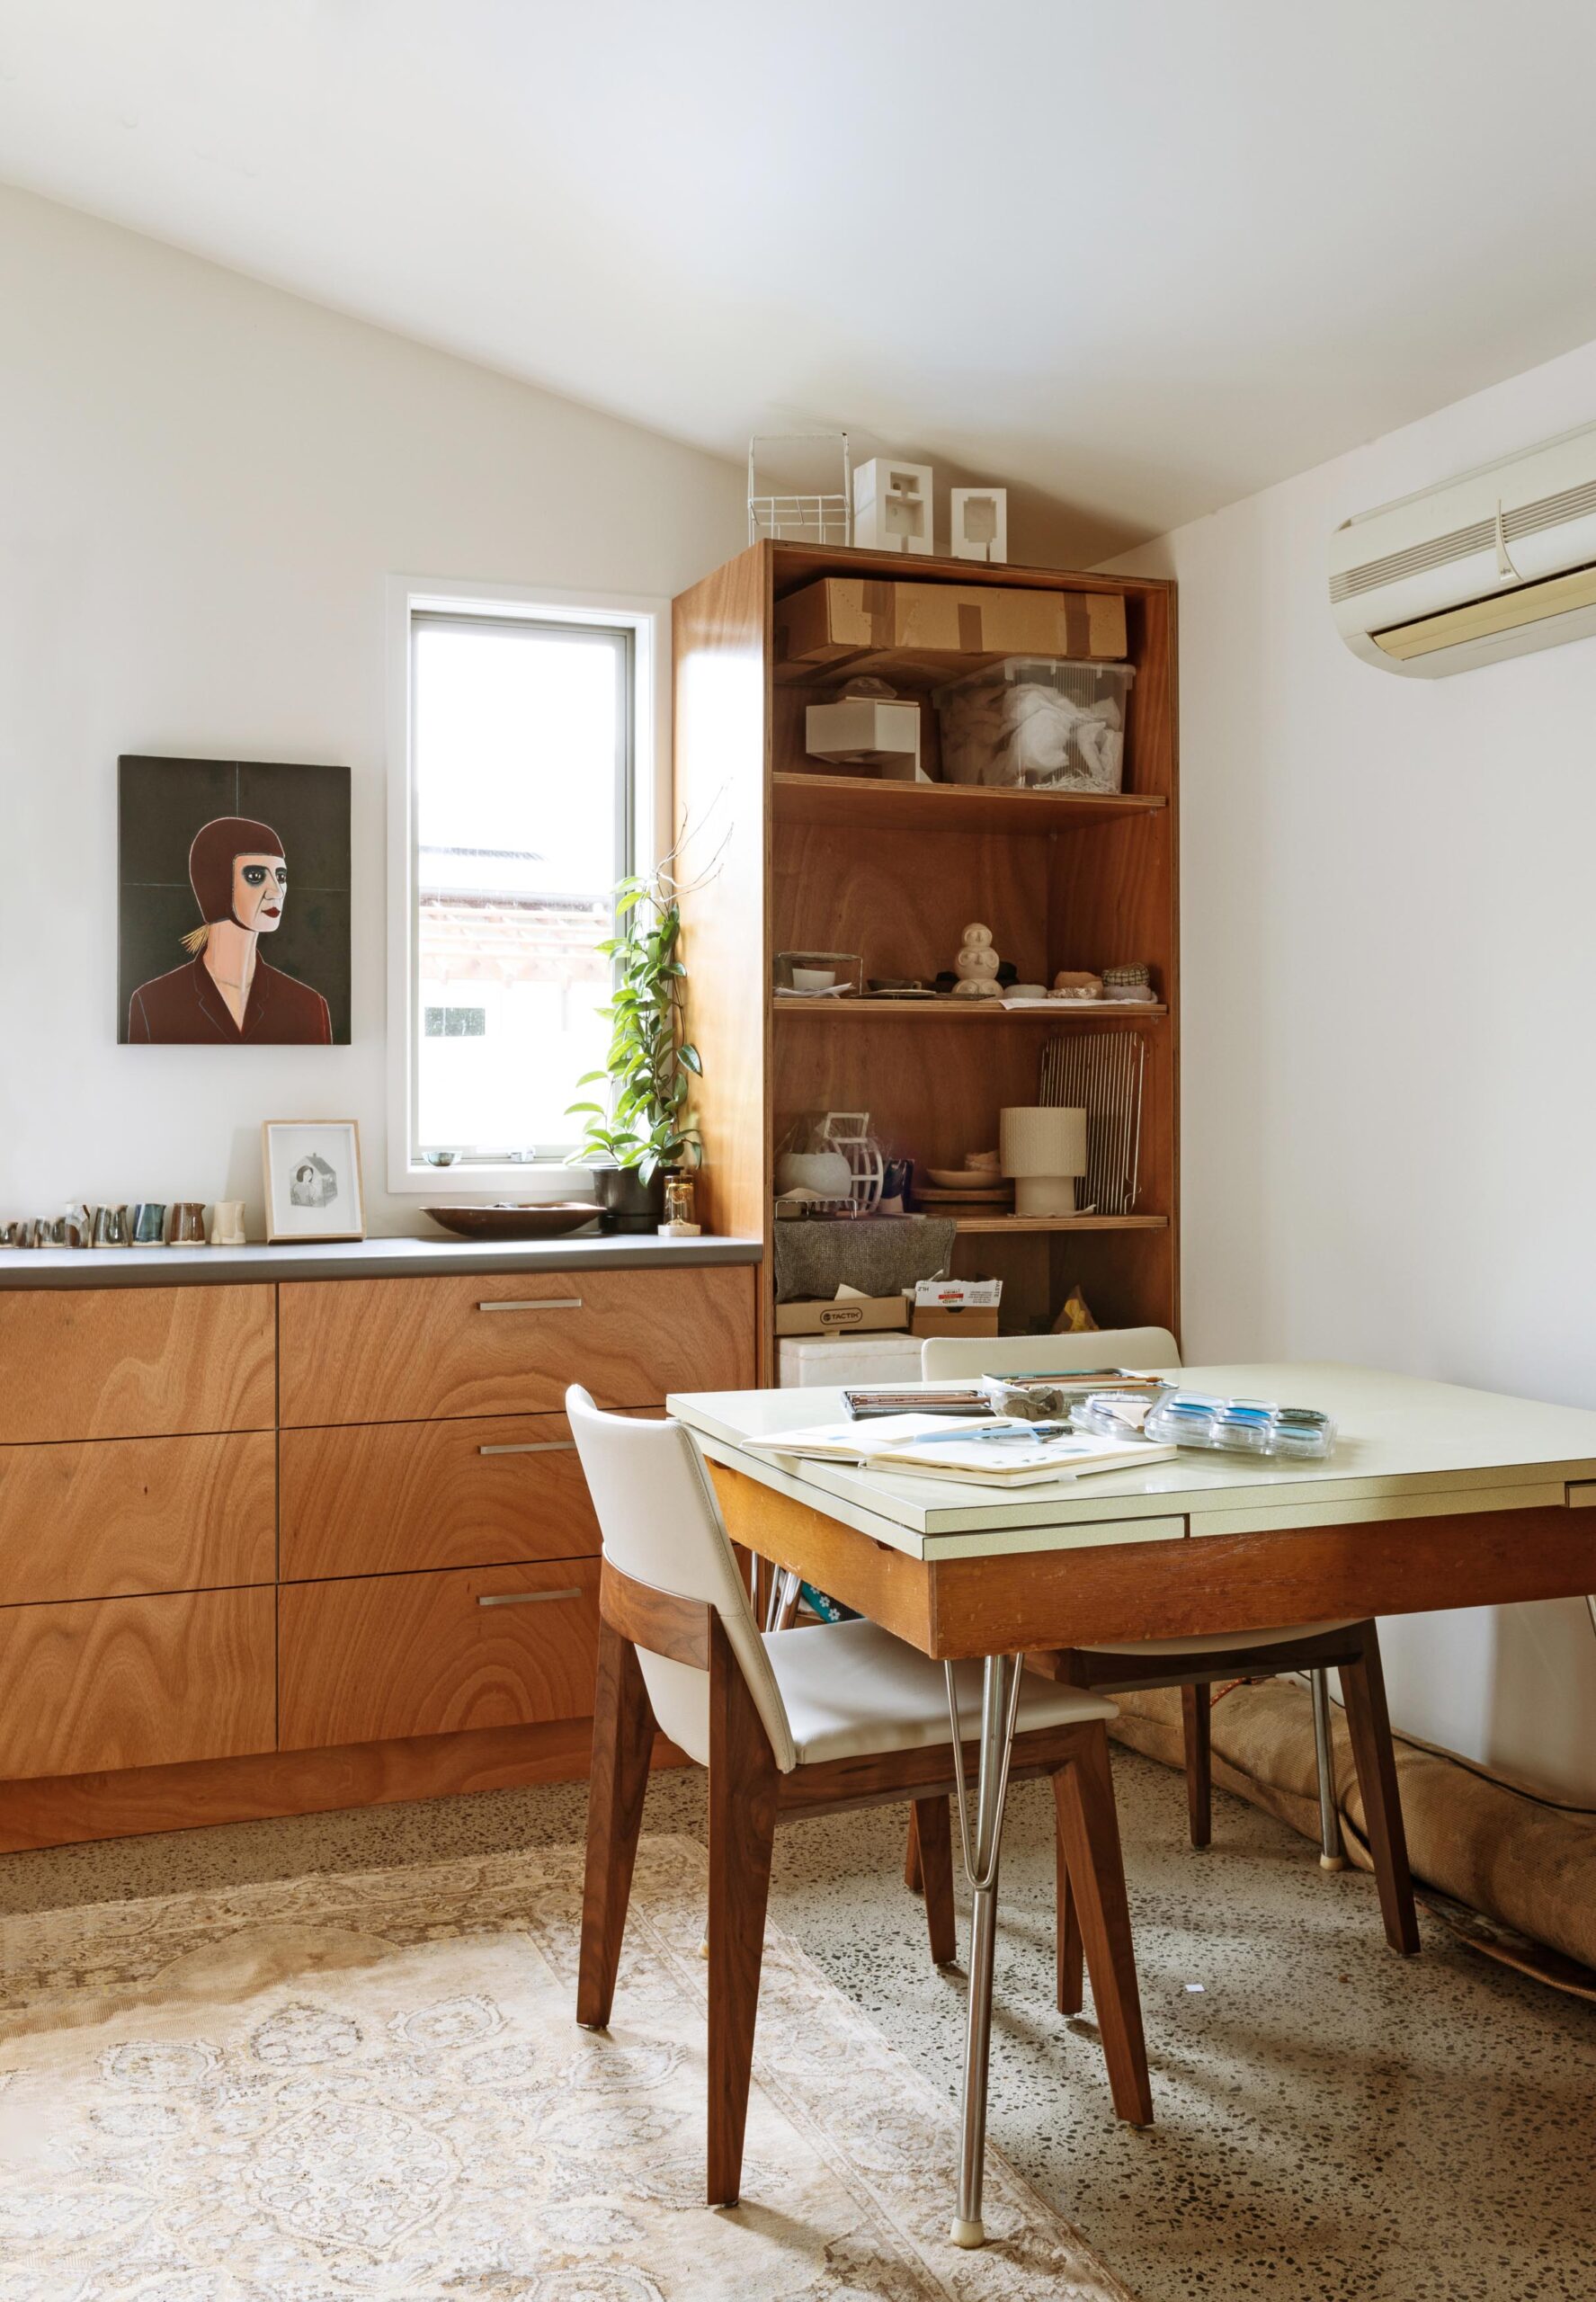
(832, 1362)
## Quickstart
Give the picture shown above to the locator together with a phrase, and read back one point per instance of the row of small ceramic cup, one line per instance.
(149, 1223)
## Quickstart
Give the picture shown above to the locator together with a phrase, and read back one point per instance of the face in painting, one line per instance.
(260, 890)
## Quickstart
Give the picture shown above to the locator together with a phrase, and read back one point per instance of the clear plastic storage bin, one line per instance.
(1037, 723)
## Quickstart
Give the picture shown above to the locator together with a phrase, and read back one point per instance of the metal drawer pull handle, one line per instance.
(544, 1303)
(525, 1598)
(533, 1447)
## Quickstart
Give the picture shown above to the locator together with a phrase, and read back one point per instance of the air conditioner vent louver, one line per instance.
(1418, 559)
(1491, 563)
(1551, 512)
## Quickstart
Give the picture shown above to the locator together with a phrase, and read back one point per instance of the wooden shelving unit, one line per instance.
(985, 1011)
(997, 1225)
(857, 803)
(800, 859)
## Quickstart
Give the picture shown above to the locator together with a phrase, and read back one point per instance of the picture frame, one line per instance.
(314, 1186)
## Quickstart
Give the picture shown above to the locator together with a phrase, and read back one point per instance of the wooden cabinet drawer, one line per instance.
(119, 1682)
(406, 1350)
(383, 1655)
(382, 1498)
(133, 1363)
(108, 1517)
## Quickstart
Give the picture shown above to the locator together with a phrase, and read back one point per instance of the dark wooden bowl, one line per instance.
(549, 1222)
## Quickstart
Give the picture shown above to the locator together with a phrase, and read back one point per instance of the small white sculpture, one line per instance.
(980, 523)
(977, 964)
(892, 505)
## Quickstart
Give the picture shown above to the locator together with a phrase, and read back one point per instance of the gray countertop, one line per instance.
(355, 1259)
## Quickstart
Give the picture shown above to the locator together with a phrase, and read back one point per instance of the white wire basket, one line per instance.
(813, 516)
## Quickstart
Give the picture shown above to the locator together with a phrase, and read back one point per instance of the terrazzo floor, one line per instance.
(1333, 2124)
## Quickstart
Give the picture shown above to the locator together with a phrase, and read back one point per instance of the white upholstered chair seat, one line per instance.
(852, 1690)
(1222, 1643)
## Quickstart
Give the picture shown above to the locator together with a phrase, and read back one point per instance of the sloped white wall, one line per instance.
(1389, 946)
(203, 483)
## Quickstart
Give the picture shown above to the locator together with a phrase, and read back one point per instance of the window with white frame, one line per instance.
(518, 809)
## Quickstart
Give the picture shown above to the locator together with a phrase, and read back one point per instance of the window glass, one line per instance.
(521, 755)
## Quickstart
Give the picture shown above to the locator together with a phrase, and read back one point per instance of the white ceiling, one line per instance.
(1135, 257)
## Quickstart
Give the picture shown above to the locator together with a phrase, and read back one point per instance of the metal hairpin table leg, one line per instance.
(1331, 1857)
(783, 1598)
(1000, 1701)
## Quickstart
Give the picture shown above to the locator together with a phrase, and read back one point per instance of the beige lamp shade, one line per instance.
(1043, 1150)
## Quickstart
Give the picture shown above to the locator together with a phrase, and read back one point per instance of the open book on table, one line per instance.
(991, 1452)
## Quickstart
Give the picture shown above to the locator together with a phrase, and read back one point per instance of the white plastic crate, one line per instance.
(1037, 722)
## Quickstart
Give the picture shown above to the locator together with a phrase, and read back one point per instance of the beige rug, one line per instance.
(373, 2087)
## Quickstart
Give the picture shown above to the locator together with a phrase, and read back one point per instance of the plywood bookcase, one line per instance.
(779, 857)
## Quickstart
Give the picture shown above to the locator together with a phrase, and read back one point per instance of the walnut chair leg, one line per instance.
(1368, 1723)
(933, 1833)
(1071, 1954)
(1089, 1831)
(622, 1744)
(743, 1788)
(914, 1873)
(1195, 1725)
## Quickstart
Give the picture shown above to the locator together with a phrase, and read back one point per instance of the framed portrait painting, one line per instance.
(233, 904)
(313, 1180)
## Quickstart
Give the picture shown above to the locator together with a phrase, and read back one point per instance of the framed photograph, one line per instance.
(313, 1180)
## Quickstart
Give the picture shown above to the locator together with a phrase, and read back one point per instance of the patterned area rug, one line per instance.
(373, 2087)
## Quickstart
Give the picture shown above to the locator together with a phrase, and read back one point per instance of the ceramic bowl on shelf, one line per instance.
(507, 1222)
(967, 1179)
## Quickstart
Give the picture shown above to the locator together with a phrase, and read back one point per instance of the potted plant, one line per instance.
(644, 1129)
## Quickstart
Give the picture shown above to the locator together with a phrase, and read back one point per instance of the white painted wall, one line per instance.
(1389, 945)
(203, 484)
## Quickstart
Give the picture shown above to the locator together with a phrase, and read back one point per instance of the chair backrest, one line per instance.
(945, 1357)
(661, 1525)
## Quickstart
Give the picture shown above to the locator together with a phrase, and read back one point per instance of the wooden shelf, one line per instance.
(985, 1011)
(1013, 1224)
(861, 804)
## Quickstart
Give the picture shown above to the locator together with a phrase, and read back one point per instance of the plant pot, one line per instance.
(629, 1203)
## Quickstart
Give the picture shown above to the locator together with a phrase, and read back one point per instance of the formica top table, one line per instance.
(1434, 1498)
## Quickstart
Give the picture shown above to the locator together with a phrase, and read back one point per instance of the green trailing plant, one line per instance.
(651, 1064)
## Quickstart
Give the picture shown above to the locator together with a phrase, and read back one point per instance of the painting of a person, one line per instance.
(227, 991)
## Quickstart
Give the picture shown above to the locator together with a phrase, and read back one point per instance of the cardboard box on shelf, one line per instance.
(848, 1313)
(958, 1294)
(933, 1321)
(830, 623)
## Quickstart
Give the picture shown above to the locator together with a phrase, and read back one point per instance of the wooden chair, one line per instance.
(1193, 1664)
(793, 1724)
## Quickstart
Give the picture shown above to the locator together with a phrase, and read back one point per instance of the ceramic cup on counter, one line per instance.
(110, 1227)
(188, 1223)
(149, 1223)
(79, 1221)
(227, 1223)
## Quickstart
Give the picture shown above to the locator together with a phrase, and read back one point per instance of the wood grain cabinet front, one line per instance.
(381, 1498)
(385, 1655)
(135, 1363)
(115, 1517)
(408, 1350)
(109, 1683)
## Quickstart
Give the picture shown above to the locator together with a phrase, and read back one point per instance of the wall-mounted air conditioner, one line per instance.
(1495, 563)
